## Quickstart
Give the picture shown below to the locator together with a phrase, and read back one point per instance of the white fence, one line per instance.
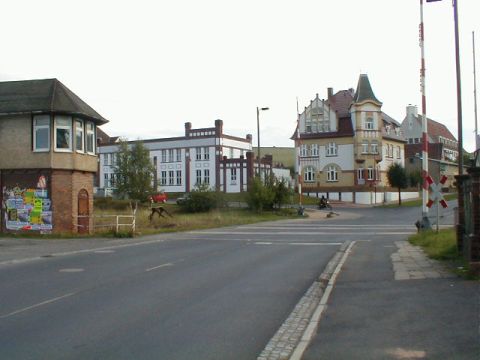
(114, 222)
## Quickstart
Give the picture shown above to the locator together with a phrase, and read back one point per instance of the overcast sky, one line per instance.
(151, 66)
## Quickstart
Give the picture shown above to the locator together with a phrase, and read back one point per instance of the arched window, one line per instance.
(309, 174)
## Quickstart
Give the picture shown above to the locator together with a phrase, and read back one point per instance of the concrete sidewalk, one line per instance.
(391, 302)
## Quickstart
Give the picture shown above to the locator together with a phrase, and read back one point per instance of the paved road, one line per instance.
(217, 294)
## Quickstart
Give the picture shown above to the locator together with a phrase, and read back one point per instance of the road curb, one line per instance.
(293, 337)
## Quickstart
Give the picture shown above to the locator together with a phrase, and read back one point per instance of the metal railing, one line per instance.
(115, 222)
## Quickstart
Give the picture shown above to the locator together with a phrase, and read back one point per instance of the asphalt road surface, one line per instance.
(216, 294)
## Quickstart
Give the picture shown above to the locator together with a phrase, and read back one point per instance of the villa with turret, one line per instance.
(345, 145)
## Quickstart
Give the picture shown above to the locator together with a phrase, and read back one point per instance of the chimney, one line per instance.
(219, 127)
(330, 92)
(412, 111)
(188, 127)
(249, 138)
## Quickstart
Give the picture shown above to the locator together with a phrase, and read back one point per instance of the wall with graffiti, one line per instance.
(26, 203)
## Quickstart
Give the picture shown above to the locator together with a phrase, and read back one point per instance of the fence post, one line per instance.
(117, 223)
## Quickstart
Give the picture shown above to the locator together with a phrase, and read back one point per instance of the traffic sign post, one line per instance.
(436, 195)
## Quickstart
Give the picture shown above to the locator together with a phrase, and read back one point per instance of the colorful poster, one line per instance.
(27, 208)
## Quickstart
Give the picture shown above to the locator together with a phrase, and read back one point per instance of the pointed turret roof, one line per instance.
(364, 90)
(47, 95)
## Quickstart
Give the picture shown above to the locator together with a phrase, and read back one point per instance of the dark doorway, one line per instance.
(83, 206)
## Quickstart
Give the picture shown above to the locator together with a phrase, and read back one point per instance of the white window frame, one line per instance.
(171, 155)
(303, 150)
(171, 177)
(370, 173)
(365, 147)
(332, 174)
(206, 176)
(360, 174)
(374, 148)
(89, 133)
(314, 149)
(63, 127)
(179, 155)
(179, 177)
(309, 174)
(199, 177)
(79, 128)
(164, 156)
(332, 149)
(163, 177)
(369, 123)
(233, 176)
(198, 153)
(41, 127)
(206, 153)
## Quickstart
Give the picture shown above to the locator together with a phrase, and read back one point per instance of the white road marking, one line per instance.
(104, 251)
(296, 233)
(159, 267)
(71, 270)
(36, 305)
(297, 243)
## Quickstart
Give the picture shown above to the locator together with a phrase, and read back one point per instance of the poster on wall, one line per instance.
(27, 208)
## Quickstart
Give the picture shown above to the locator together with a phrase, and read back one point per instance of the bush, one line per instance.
(259, 196)
(272, 194)
(202, 199)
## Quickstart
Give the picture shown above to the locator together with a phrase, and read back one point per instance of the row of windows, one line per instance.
(369, 148)
(312, 150)
(389, 150)
(447, 142)
(174, 177)
(64, 128)
(310, 173)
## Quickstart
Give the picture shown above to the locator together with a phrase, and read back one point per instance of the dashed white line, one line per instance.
(159, 267)
(36, 305)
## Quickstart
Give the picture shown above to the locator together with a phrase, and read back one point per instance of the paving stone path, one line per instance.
(410, 262)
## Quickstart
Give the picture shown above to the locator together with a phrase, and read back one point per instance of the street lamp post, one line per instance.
(258, 136)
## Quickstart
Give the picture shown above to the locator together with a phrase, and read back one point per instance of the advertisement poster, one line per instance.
(27, 208)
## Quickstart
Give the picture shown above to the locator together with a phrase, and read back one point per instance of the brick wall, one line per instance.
(65, 188)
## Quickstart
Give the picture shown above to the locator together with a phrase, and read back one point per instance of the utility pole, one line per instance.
(459, 90)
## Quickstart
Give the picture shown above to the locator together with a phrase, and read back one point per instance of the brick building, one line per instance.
(48, 162)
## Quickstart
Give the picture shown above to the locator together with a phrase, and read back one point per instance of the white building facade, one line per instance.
(203, 156)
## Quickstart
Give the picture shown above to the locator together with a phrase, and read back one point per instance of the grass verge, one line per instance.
(180, 221)
(442, 246)
(415, 202)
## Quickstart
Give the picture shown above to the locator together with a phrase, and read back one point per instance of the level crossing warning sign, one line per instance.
(436, 193)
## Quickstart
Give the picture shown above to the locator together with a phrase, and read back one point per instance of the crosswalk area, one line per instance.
(304, 234)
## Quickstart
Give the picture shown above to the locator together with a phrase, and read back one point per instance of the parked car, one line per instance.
(183, 199)
(159, 198)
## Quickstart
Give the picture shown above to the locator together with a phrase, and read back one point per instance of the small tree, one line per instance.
(282, 193)
(134, 172)
(260, 197)
(397, 177)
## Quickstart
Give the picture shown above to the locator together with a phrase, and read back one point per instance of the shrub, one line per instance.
(202, 199)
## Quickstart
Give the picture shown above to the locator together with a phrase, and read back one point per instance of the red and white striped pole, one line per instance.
(424, 119)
